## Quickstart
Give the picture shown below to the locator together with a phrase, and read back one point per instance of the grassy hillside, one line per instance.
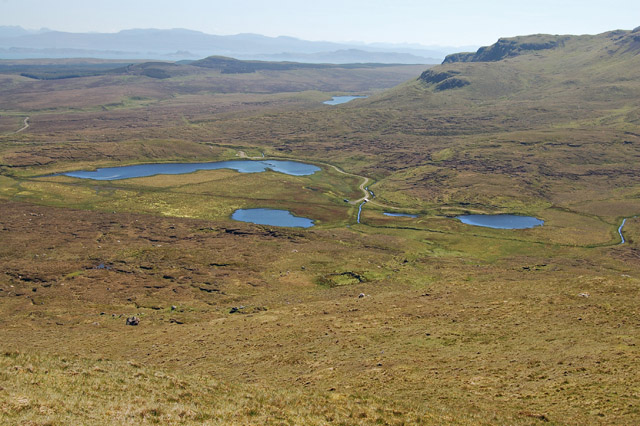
(389, 321)
(553, 127)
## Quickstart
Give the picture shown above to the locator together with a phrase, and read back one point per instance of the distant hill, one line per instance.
(15, 31)
(59, 69)
(516, 46)
(236, 66)
(17, 43)
(576, 65)
(510, 47)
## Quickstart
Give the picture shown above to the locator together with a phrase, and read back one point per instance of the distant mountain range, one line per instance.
(176, 44)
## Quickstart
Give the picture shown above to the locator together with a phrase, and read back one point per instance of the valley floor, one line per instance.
(394, 320)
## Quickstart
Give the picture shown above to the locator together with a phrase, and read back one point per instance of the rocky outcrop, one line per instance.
(459, 57)
(434, 77)
(627, 41)
(443, 80)
(509, 47)
(451, 83)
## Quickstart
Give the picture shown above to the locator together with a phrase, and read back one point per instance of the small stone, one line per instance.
(133, 321)
(584, 294)
(174, 307)
(361, 295)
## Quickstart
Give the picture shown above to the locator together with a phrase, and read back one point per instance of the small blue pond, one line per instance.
(271, 217)
(337, 100)
(293, 168)
(400, 214)
(501, 221)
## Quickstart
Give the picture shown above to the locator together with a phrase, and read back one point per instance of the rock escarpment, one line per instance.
(443, 80)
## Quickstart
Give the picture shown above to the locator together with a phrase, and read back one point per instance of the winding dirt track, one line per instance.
(363, 186)
(26, 125)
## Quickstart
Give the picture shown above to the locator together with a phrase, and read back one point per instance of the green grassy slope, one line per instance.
(546, 127)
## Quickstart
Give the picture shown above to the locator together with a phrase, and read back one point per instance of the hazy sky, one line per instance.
(443, 22)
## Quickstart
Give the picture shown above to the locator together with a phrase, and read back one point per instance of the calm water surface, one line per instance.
(400, 214)
(293, 168)
(337, 100)
(501, 221)
(271, 217)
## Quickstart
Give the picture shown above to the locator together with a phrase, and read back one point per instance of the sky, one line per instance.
(426, 22)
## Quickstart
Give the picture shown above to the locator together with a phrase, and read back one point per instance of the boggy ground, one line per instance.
(438, 337)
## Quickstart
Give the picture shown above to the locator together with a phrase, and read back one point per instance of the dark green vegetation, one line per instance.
(457, 324)
(42, 70)
(63, 69)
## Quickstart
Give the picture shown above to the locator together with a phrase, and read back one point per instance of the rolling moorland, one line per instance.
(389, 321)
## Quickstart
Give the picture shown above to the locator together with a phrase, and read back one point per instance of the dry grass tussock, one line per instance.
(42, 390)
